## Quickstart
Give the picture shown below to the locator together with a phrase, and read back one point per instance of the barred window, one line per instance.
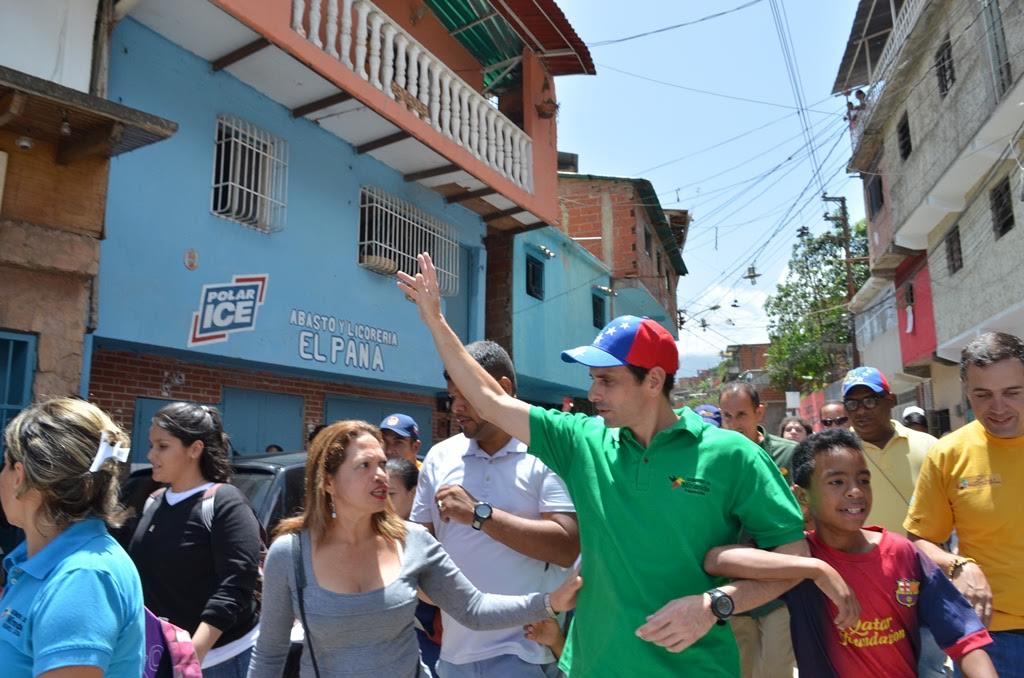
(250, 178)
(17, 368)
(597, 307)
(1002, 208)
(954, 255)
(392, 232)
(903, 136)
(535, 277)
(944, 70)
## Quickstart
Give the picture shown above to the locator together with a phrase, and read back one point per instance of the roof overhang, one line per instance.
(39, 109)
(544, 27)
(871, 28)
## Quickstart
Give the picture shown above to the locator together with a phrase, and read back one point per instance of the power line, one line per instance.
(603, 43)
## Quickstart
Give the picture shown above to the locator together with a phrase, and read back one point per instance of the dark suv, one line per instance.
(274, 486)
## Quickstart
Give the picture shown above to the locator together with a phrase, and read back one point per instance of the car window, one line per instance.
(294, 490)
(255, 485)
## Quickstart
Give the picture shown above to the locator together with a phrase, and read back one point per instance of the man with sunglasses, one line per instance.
(894, 452)
(894, 455)
(833, 415)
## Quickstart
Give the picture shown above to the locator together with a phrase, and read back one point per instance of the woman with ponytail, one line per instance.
(197, 545)
(73, 603)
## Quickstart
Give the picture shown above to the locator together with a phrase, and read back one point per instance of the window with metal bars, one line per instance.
(944, 69)
(903, 137)
(535, 277)
(597, 305)
(954, 255)
(648, 240)
(999, 54)
(250, 177)
(1001, 203)
(392, 232)
(876, 199)
(17, 367)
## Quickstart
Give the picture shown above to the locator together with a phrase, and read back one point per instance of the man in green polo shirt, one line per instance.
(655, 490)
(762, 634)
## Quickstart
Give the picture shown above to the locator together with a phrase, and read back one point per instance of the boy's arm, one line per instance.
(482, 390)
(977, 664)
(947, 613)
(789, 564)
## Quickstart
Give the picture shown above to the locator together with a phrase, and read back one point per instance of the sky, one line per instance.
(742, 168)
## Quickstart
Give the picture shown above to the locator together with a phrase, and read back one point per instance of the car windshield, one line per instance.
(255, 485)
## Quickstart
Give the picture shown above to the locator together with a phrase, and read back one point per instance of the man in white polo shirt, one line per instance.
(506, 520)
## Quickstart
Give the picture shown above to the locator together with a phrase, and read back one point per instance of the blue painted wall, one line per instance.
(541, 330)
(159, 207)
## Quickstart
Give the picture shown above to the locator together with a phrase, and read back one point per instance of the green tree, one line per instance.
(808, 324)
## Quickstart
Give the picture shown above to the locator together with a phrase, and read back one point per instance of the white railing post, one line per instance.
(298, 14)
(435, 94)
(332, 28)
(413, 72)
(362, 10)
(375, 21)
(388, 65)
(474, 125)
(314, 23)
(446, 103)
(424, 93)
(346, 33)
(401, 44)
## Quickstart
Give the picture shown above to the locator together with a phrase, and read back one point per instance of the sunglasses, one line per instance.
(838, 421)
(869, 403)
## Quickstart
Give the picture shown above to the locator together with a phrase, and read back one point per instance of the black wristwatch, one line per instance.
(722, 605)
(481, 514)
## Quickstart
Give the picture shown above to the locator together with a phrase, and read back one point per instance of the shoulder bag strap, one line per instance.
(149, 510)
(206, 506)
(300, 581)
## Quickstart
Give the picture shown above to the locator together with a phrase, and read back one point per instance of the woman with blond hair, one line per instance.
(349, 568)
(72, 606)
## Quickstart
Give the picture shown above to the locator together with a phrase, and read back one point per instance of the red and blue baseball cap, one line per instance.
(866, 376)
(401, 425)
(629, 340)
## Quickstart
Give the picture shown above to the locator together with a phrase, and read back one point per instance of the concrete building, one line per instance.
(321, 146)
(938, 144)
(57, 135)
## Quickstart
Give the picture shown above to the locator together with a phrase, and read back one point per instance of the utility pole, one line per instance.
(843, 219)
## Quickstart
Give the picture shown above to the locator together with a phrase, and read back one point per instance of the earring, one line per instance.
(334, 514)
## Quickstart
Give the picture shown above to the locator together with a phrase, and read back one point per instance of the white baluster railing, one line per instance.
(367, 41)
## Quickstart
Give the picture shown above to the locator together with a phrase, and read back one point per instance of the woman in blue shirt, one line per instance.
(72, 607)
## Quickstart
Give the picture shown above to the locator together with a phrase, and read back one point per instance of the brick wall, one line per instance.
(119, 377)
(498, 299)
(612, 210)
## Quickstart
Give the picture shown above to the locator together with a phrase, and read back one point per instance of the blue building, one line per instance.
(248, 262)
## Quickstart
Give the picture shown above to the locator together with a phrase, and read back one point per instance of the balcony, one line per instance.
(398, 85)
(366, 41)
(875, 55)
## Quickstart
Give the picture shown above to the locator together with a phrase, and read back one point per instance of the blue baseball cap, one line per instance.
(629, 340)
(401, 425)
(710, 414)
(866, 376)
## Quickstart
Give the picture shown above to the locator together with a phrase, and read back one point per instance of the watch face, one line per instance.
(723, 605)
(482, 511)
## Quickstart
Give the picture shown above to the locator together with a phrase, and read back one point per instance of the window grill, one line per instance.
(17, 367)
(392, 232)
(954, 255)
(944, 69)
(535, 277)
(597, 307)
(250, 178)
(903, 136)
(1002, 208)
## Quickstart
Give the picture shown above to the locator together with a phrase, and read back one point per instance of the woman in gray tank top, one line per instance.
(349, 568)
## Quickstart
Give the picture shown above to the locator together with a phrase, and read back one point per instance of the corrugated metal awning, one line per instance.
(495, 32)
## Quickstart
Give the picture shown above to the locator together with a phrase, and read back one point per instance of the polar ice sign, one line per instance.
(226, 308)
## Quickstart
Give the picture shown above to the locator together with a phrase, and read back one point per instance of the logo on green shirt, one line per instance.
(690, 485)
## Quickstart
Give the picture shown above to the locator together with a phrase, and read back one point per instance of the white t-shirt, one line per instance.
(510, 480)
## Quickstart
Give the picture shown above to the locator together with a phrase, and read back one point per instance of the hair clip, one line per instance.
(107, 451)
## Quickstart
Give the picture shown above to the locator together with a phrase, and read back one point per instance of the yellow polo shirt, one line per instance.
(894, 470)
(973, 482)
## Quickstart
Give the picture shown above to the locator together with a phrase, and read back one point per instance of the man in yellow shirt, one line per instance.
(972, 482)
(894, 453)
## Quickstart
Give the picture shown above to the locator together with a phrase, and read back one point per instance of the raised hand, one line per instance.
(422, 289)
